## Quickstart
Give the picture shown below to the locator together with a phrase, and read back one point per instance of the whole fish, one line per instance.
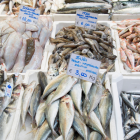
(40, 114)
(66, 115)
(35, 103)
(26, 102)
(63, 88)
(80, 126)
(93, 122)
(53, 85)
(95, 94)
(42, 80)
(105, 108)
(76, 95)
(44, 131)
(51, 113)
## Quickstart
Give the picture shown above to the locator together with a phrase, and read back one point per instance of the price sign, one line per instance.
(28, 14)
(83, 68)
(9, 89)
(86, 19)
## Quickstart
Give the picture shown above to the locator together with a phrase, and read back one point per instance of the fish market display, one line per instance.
(130, 108)
(126, 7)
(22, 44)
(65, 109)
(56, 6)
(129, 34)
(95, 44)
(8, 103)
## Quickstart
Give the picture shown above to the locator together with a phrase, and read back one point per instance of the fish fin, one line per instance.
(33, 131)
(23, 127)
(33, 122)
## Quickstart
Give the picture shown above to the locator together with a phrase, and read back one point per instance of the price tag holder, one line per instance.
(28, 14)
(86, 19)
(9, 89)
(83, 67)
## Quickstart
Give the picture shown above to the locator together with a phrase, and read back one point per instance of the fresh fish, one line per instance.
(1, 76)
(95, 95)
(66, 115)
(105, 108)
(44, 131)
(26, 102)
(127, 102)
(42, 80)
(93, 122)
(76, 95)
(51, 113)
(53, 85)
(123, 55)
(35, 103)
(64, 87)
(40, 115)
(80, 126)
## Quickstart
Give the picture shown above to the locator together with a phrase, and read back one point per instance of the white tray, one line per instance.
(60, 24)
(122, 83)
(32, 75)
(122, 70)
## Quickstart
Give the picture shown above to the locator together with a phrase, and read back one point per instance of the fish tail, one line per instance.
(33, 122)
(23, 127)
(110, 67)
(33, 131)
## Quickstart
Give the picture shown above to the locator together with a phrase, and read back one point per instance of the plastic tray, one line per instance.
(122, 70)
(122, 83)
(32, 75)
(60, 24)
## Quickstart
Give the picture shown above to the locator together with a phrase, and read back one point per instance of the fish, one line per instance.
(42, 80)
(26, 102)
(123, 55)
(63, 88)
(44, 131)
(53, 85)
(95, 95)
(105, 108)
(80, 126)
(1, 76)
(130, 57)
(40, 114)
(76, 95)
(35, 103)
(51, 113)
(66, 115)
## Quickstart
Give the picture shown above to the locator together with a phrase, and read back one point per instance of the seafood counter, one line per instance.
(23, 45)
(63, 108)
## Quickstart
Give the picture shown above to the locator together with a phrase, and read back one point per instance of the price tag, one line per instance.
(83, 68)
(28, 14)
(86, 19)
(9, 89)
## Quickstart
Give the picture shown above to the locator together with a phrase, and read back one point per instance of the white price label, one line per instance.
(9, 89)
(83, 68)
(28, 14)
(86, 19)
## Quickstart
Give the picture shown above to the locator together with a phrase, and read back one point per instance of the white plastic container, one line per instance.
(122, 83)
(121, 67)
(32, 75)
(60, 24)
